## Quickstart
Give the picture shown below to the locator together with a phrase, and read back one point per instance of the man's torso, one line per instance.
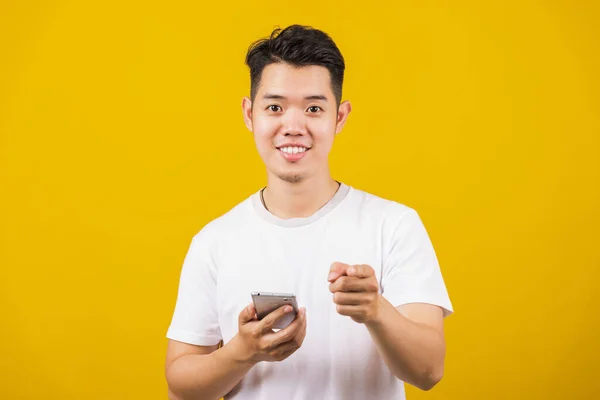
(338, 358)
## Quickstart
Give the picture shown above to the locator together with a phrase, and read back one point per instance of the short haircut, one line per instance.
(297, 46)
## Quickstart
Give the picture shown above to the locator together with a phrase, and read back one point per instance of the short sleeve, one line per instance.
(195, 319)
(411, 273)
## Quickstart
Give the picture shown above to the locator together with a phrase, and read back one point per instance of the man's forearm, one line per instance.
(206, 376)
(413, 352)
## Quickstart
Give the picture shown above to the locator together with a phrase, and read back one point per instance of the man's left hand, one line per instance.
(355, 291)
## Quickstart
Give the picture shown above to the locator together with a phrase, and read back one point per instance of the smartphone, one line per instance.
(265, 303)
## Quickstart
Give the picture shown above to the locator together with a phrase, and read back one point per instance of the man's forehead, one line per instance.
(281, 68)
(284, 81)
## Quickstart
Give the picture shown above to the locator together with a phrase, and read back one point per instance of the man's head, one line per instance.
(295, 106)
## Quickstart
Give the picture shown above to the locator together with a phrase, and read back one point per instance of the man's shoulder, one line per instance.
(228, 222)
(377, 205)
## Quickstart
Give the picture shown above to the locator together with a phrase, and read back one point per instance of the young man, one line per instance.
(362, 268)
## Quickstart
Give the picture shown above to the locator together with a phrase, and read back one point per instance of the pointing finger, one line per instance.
(337, 269)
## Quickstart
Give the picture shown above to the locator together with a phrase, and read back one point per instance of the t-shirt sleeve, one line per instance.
(195, 319)
(411, 273)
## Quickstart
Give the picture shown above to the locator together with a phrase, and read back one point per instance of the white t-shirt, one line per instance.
(249, 249)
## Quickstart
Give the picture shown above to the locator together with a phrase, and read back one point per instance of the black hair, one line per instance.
(297, 46)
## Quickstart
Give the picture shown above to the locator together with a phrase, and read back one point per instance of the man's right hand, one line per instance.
(257, 341)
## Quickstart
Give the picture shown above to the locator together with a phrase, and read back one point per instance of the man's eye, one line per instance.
(274, 108)
(314, 109)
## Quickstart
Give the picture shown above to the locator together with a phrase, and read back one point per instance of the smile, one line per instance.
(293, 150)
(293, 153)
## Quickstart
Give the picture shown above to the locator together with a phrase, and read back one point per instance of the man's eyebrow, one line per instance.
(270, 96)
(273, 96)
(316, 97)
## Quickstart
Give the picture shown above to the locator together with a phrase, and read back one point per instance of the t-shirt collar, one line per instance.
(263, 213)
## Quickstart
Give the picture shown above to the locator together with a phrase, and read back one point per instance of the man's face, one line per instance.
(294, 119)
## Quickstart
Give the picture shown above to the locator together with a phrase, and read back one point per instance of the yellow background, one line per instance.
(121, 135)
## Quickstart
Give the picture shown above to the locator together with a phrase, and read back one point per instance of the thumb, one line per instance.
(247, 314)
(337, 269)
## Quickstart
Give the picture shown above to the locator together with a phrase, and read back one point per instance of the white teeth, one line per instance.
(293, 150)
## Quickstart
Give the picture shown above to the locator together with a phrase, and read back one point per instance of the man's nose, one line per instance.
(294, 122)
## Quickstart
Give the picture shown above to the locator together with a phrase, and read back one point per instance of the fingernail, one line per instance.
(288, 309)
(351, 271)
(331, 276)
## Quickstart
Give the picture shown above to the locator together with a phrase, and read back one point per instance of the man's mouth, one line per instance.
(293, 149)
(293, 153)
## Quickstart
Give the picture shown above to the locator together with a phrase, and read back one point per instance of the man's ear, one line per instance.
(247, 111)
(342, 115)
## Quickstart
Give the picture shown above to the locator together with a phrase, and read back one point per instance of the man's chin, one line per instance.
(291, 178)
(290, 175)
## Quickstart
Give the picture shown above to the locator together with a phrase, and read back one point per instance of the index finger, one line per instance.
(269, 320)
(290, 331)
(337, 269)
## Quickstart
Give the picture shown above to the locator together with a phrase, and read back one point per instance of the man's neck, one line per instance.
(298, 200)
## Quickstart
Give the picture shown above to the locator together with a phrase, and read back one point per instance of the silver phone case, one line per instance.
(266, 302)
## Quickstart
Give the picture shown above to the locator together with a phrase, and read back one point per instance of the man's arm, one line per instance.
(410, 339)
(203, 372)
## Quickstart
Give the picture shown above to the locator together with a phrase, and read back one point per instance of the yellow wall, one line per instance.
(121, 135)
